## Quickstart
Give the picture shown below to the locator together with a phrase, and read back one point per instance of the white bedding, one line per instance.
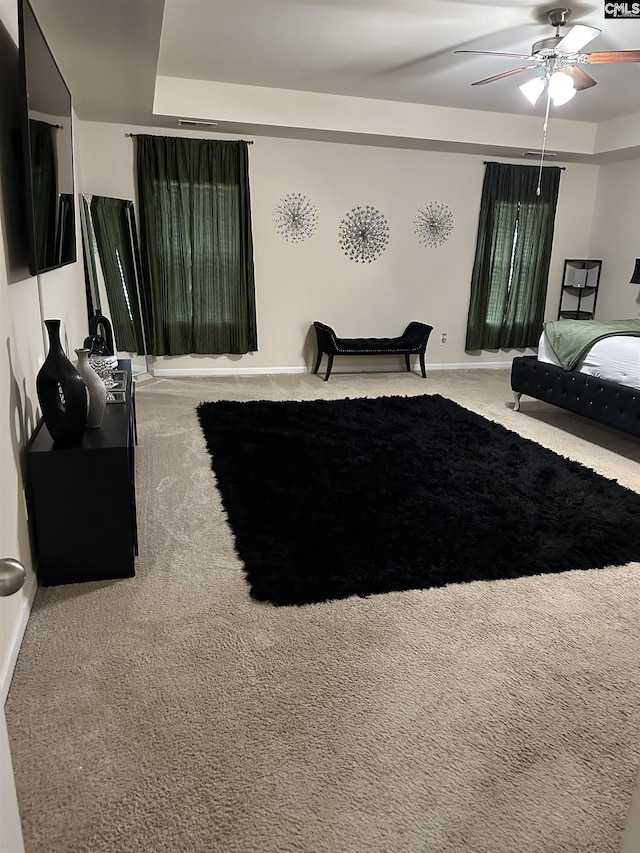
(616, 358)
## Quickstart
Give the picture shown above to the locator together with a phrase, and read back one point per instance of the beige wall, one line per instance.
(25, 301)
(16, 303)
(615, 238)
(238, 105)
(299, 283)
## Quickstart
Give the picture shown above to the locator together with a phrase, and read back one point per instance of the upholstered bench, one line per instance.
(413, 341)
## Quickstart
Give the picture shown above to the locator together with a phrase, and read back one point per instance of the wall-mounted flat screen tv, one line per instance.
(47, 150)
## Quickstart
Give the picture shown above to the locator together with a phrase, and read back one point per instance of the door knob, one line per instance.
(12, 576)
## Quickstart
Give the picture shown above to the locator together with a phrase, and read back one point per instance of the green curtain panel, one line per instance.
(44, 189)
(513, 251)
(113, 241)
(197, 245)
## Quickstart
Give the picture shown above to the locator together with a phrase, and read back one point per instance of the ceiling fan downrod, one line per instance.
(557, 18)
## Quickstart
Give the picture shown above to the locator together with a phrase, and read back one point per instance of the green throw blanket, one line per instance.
(570, 339)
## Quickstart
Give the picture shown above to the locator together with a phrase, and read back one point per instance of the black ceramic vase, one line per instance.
(100, 328)
(62, 393)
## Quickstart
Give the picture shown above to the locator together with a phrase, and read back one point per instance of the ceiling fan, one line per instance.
(559, 57)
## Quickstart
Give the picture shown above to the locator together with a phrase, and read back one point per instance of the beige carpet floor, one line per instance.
(170, 713)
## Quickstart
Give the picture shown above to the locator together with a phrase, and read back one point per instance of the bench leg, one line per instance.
(318, 360)
(422, 366)
(329, 366)
(406, 360)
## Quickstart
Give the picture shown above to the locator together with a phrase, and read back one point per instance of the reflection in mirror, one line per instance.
(112, 270)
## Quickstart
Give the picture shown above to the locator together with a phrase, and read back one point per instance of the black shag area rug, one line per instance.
(333, 498)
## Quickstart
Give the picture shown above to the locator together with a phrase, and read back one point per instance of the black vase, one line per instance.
(100, 334)
(61, 392)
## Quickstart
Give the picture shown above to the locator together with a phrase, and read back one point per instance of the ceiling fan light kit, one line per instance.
(533, 88)
(560, 86)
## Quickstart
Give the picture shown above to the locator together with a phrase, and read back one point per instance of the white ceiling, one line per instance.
(401, 50)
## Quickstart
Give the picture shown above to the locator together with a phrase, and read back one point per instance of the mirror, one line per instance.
(113, 276)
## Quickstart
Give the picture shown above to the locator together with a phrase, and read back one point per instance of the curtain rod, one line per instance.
(486, 162)
(248, 141)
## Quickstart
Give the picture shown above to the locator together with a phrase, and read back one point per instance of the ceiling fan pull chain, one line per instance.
(544, 141)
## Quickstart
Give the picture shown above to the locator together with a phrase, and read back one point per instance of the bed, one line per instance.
(595, 374)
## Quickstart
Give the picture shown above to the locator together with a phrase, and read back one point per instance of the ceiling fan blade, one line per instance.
(504, 74)
(496, 53)
(612, 57)
(581, 79)
(577, 38)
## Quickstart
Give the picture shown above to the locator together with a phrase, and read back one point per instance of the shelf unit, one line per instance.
(579, 291)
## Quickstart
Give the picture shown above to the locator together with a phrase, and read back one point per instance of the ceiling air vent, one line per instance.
(187, 122)
(538, 154)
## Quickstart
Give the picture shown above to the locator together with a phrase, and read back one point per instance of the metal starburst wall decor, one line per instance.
(364, 234)
(295, 217)
(434, 224)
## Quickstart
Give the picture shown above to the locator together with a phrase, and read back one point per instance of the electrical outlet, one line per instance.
(443, 338)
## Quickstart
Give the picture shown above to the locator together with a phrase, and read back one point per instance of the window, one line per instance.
(197, 247)
(513, 251)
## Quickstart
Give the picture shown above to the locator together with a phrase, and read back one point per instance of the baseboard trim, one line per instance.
(223, 371)
(257, 371)
(19, 627)
(465, 365)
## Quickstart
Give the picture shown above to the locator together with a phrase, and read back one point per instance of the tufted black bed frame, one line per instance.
(599, 399)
